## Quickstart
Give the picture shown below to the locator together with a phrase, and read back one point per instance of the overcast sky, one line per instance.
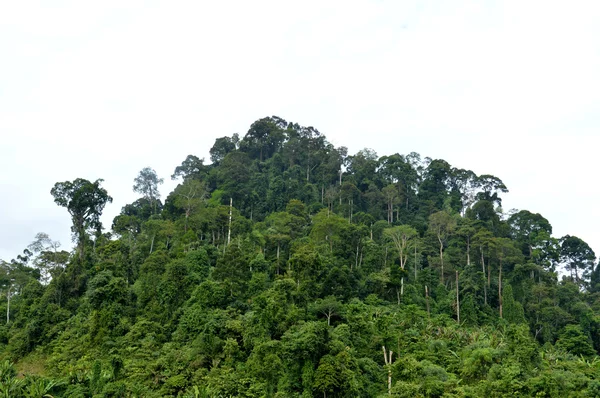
(102, 89)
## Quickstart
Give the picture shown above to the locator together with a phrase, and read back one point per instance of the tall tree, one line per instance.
(222, 147)
(465, 183)
(84, 201)
(146, 183)
(578, 257)
(189, 196)
(490, 186)
(506, 253)
(436, 179)
(192, 167)
(404, 239)
(392, 198)
(442, 225)
(264, 138)
(47, 255)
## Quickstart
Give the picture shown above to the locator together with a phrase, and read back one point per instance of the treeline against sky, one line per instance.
(286, 267)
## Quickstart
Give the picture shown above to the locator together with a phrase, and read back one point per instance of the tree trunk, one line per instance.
(415, 263)
(152, 243)
(457, 301)
(187, 215)
(500, 287)
(230, 210)
(351, 209)
(468, 251)
(483, 268)
(277, 258)
(441, 258)
(388, 365)
(8, 305)
(427, 300)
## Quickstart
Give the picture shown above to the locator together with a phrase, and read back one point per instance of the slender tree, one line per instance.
(442, 225)
(404, 239)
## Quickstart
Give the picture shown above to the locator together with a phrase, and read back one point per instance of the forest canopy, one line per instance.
(287, 267)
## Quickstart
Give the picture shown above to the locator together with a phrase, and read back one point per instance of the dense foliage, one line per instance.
(288, 268)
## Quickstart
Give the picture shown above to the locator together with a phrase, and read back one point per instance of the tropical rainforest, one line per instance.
(286, 267)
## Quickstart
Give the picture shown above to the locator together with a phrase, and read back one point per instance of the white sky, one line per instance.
(103, 89)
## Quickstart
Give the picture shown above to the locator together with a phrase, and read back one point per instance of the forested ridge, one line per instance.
(286, 267)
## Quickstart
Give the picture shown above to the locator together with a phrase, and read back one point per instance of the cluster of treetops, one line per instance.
(288, 268)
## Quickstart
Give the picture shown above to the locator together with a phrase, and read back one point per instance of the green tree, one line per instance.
(279, 231)
(513, 310)
(404, 238)
(329, 307)
(84, 201)
(264, 138)
(146, 183)
(191, 168)
(189, 197)
(578, 258)
(442, 225)
(531, 229)
(48, 258)
(222, 147)
(573, 340)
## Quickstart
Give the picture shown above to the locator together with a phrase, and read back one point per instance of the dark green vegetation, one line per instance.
(323, 264)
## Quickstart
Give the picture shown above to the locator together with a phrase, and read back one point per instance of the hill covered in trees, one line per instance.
(288, 268)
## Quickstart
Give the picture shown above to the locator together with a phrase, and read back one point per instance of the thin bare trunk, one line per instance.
(8, 305)
(500, 286)
(385, 258)
(457, 301)
(468, 251)
(483, 268)
(351, 209)
(277, 258)
(427, 300)
(415, 263)
(441, 257)
(388, 365)
(230, 211)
